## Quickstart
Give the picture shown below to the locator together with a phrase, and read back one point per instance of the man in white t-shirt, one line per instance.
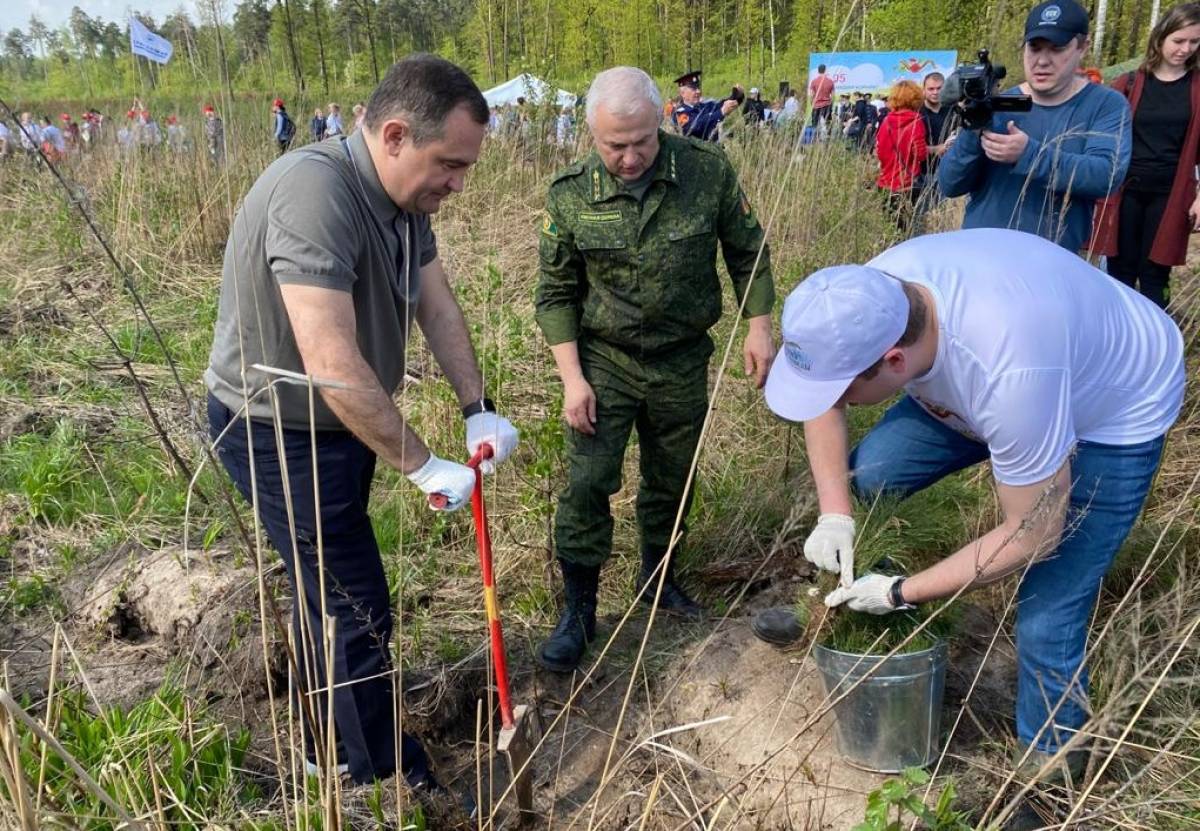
(1010, 349)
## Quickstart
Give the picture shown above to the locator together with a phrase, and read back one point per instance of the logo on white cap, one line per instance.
(1051, 14)
(797, 357)
(835, 324)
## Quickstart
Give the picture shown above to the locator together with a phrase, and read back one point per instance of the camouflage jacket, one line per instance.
(643, 277)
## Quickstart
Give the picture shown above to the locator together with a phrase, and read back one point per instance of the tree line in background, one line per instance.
(317, 47)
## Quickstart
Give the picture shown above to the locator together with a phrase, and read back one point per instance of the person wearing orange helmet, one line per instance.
(176, 137)
(70, 132)
(285, 128)
(214, 134)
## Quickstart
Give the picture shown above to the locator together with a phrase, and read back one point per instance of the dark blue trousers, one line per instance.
(356, 591)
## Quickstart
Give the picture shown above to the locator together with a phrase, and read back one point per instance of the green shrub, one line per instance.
(896, 805)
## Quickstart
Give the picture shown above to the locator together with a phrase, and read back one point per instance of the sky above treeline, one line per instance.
(14, 14)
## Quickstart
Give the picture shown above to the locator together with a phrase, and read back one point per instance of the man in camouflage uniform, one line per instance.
(627, 295)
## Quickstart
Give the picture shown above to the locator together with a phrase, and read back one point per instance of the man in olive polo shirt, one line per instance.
(329, 262)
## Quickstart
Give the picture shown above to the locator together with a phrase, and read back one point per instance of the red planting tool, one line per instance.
(516, 738)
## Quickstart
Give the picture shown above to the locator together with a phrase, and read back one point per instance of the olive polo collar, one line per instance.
(604, 185)
(381, 204)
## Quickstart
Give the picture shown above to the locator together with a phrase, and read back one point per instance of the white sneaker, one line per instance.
(310, 768)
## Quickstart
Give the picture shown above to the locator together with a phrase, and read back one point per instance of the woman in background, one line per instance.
(901, 148)
(1143, 228)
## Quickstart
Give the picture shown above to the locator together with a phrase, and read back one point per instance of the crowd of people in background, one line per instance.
(1147, 201)
(1112, 177)
(141, 132)
(138, 131)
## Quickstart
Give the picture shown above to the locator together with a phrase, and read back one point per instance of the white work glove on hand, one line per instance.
(870, 593)
(493, 429)
(449, 479)
(830, 546)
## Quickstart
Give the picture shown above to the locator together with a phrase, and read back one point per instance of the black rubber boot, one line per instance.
(673, 600)
(576, 628)
(778, 626)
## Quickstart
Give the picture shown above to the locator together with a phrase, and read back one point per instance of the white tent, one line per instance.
(532, 89)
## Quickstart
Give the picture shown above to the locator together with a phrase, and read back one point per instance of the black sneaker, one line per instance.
(1026, 818)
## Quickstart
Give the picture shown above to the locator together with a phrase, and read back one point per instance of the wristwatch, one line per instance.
(896, 595)
(483, 405)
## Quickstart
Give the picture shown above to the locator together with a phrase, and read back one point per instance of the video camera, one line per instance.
(971, 89)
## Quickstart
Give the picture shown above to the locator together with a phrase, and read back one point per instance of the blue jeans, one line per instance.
(356, 586)
(909, 450)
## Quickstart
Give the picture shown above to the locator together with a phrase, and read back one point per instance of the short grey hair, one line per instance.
(622, 90)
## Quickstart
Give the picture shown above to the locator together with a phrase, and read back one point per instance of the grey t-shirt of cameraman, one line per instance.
(318, 216)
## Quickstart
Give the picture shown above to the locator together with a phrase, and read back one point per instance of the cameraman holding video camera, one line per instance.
(1039, 171)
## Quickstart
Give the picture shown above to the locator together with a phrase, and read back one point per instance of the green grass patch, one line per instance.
(25, 594)
(119, 479)
(167, 743)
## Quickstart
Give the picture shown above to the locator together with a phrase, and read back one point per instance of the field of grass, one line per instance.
(103, 453)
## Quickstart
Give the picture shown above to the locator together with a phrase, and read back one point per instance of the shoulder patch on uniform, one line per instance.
(548, 226)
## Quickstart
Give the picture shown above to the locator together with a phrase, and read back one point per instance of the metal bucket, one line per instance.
(892, 719)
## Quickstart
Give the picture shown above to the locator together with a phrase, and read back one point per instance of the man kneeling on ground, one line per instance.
(1065, 380)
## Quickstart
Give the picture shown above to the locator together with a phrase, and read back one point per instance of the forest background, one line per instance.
(312, 50)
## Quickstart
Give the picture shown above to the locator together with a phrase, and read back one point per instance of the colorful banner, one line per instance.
(147, 44)
(876, 71)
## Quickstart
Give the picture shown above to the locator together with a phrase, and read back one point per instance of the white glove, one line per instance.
(493, 429)
(830, 546)
(438, 477)
(871, 593)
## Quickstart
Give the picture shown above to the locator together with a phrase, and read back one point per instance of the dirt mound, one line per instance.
(713, 720)
(727, 729)
(146, 612)
(766, 744)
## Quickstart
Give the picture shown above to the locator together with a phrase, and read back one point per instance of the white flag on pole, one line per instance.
(147, 44)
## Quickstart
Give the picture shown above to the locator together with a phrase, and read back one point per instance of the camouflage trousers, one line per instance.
(666, 401)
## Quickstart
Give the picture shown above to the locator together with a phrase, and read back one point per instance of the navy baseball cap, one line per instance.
(1058, 21)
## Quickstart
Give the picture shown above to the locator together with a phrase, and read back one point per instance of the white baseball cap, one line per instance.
(754, 90)
(835, 325)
